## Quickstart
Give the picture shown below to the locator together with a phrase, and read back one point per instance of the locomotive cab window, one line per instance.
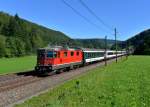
(51, 54)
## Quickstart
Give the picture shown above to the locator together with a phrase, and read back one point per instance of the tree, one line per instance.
(36, 40)
(28, 46)
(20, 47)
(141, 43)
(5, 29)
(10, 47)
(2, 46)
(13, 27)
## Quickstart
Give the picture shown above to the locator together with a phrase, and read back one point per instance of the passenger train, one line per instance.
(60, 58)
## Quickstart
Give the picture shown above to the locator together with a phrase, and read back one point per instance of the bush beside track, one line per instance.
(125, 84)
(15, 65)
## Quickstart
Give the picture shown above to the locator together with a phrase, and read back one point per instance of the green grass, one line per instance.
(126, 84)
(13, 65)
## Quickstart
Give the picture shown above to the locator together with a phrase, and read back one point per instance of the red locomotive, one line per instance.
(58, 58)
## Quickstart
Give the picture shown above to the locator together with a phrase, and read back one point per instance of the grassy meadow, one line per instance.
(13, 65)
(125, 84)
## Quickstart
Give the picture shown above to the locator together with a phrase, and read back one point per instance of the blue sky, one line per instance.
(128, 16)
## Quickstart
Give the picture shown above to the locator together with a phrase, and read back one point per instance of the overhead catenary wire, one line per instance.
(85, 18)
(96, 16)
(101, 21)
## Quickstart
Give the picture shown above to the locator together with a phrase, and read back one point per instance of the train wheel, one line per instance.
(68, 69)
(57, 71)
(74, 67)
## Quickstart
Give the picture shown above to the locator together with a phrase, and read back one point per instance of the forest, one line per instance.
(19, 37)
(140, 43)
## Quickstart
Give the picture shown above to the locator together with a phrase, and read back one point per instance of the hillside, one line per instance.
(141, 43)
(95, 43)
(20, 37)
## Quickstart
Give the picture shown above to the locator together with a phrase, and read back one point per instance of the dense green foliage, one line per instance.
(13, 65)
(141, 43)
(2, 46)
(125, 84)
(20, 37)
(95, 43)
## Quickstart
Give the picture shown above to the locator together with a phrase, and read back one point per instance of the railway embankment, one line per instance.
(125, 84)
(21, 86)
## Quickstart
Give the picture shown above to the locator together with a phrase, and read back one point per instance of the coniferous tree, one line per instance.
(20, 47)
(2, 46)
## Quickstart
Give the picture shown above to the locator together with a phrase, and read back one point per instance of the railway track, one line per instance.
(17, 82)
(9, 82)
(14, 87)
(7, 77)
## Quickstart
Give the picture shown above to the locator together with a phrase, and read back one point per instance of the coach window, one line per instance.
(86, 55)
(89, 55)
(72, 53)
(102, 54)
(93, 55)
(97, 55)
(77, 53)
(111, 53)
(65, 54)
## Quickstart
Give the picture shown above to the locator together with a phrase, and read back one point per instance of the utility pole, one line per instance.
(116, 43)
(105, 50)
(121, 48)
(126, 49)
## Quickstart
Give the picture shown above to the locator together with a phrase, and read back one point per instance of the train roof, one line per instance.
(57, 48)
(92, 50)
(96, 50)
